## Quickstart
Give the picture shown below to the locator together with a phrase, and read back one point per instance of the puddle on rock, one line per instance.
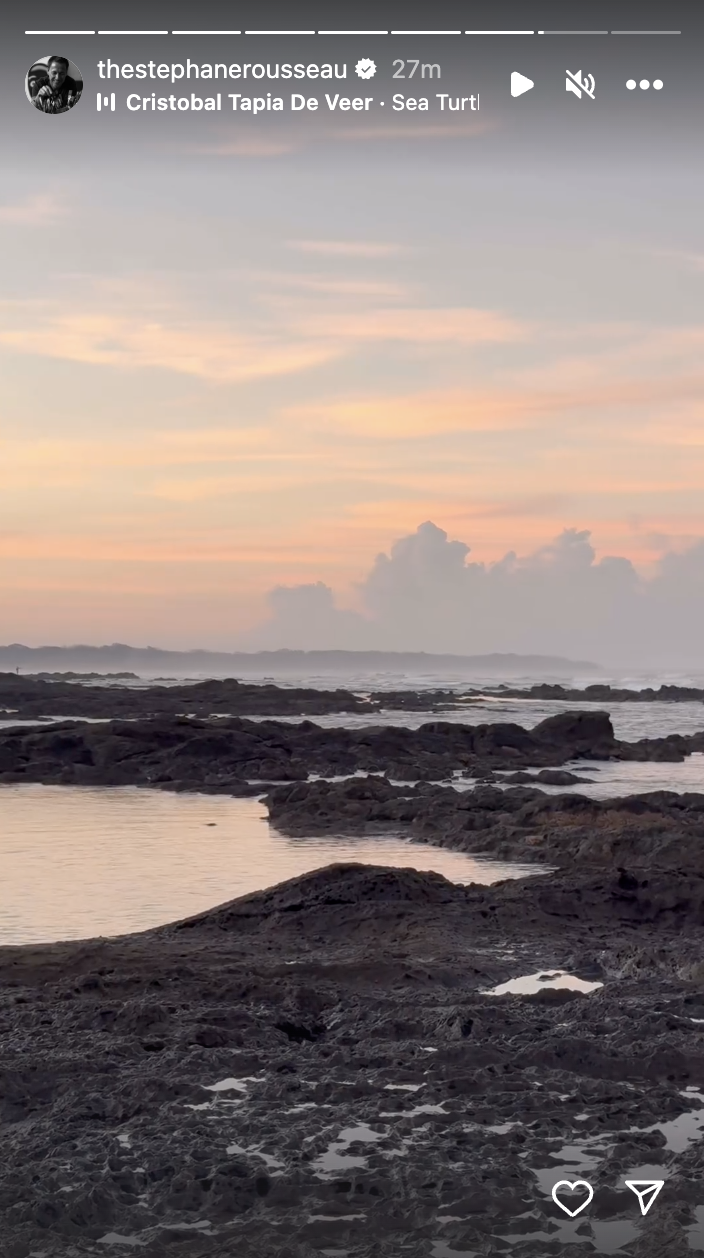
(232, 1085)
(267, 1158)
(543, 980)
(680, 1132)
(695, 1231)
(203, 1226)
(331, 1161)
(114, 1238)
(441, 1250)
(611, 1237)
(334, 1218)
(335, 1157)
(411, 1113)
(605, 1238)
(683, 1131)
(583, 1156)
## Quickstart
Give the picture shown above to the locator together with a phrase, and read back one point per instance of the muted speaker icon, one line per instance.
(579, 83)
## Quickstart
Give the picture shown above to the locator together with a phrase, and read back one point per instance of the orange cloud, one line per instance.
(423, 325)
(39, 210)
(348, 248)
(411, 131)
(243, 482)
(520, 403)
(248, 146)
(38, 463)
(334, 286)
(280, 143)
(205, 349)
(682, 426)
(420, 414)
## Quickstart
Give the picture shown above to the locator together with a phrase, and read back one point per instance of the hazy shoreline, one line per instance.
(151, 661)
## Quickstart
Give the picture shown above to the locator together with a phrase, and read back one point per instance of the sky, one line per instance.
(389, 381)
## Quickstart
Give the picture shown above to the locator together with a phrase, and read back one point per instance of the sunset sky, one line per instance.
(232, 363)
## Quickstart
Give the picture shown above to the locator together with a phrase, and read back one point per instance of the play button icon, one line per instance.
(520, 84)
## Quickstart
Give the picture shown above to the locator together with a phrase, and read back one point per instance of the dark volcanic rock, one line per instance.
(598, 693)
(546, 777)
(73, 694)
(589, 734)
(319, 1067)
(320, 900)
(224, 754)
(520, 824)
(30, 697)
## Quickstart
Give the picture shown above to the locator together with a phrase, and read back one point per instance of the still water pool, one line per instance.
(83, 861)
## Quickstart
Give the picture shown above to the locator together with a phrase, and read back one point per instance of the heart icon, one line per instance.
(572, 1186)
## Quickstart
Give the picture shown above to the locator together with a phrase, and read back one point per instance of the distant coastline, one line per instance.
(153, 661)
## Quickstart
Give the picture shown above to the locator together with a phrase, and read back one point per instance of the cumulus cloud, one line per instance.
(305, 617)
(429, 594)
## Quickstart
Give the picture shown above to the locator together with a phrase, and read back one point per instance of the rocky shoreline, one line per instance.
(60, 695)
(321, 1068)
(33, 698)
(317, 1069)
(520, 824)
(599, 693)
(229, 754)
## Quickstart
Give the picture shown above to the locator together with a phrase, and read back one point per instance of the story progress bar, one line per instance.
(353, 33)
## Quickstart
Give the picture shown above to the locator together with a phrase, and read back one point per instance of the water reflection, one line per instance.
(84, 861)
(531, 984)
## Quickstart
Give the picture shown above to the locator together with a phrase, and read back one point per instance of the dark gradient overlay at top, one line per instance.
(546, 122)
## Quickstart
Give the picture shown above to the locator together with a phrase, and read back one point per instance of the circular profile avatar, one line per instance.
(54, 85)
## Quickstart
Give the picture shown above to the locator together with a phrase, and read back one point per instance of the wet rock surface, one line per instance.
(317, 1069)
(28, 698)
(521, 823)
(226, 753)
(600, 693)
(320, 1068)
(73, 694)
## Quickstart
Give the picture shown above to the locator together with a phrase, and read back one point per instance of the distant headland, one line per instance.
(154, 661)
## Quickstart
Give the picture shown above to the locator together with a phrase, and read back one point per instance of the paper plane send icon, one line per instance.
(520, 84)
(646, 1191)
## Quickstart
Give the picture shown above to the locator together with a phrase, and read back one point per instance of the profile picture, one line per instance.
(54, 84)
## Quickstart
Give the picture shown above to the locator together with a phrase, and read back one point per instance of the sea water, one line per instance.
(84, 861)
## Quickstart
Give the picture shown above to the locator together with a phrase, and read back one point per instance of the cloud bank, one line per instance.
(428, 594)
